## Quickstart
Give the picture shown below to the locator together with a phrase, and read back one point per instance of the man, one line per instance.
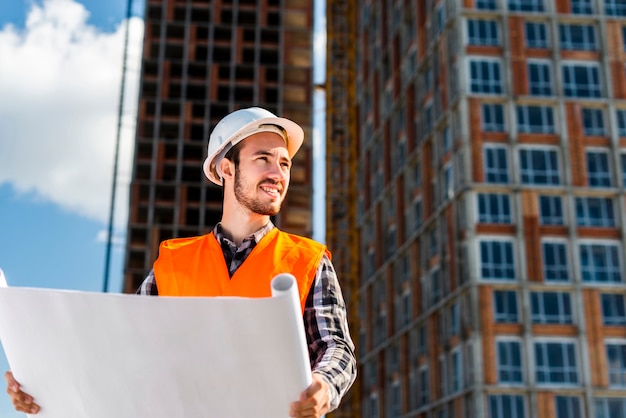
(249, 154)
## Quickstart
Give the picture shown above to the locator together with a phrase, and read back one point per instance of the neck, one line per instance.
(238, 225)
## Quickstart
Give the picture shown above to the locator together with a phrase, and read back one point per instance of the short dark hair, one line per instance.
(233, 154)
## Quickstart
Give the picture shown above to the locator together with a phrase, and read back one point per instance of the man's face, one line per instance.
(262, 176)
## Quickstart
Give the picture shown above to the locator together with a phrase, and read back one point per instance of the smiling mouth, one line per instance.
(271, 190)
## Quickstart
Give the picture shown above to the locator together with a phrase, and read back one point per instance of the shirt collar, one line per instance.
(218, 231)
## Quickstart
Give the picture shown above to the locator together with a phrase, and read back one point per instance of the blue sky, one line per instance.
(59, 89)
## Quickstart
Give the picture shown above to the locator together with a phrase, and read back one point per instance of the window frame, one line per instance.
(507, 248)
(588, 35)
(527, 114)
(551, 203)
(493, 118)
(500, 400)
(589, 273)
(595, 116)
(502, 174)
(573, 406)
(506, 316)
(547, 368)
(528, 6)
(494, 208)
(540, 78)
(508, 367)
(490, 83)
(594, 211)
(594, 87)
(483, 32)
(616, 314)
(560, 269)
(539, 304)
(529, 175)
(536, 35)
(620, 373)
(598, 164)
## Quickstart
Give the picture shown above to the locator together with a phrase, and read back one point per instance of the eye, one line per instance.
(285, 165)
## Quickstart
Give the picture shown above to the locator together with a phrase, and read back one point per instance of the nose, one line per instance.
(277, 171)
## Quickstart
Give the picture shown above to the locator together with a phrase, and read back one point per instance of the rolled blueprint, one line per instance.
(103, 355)
(285, 286)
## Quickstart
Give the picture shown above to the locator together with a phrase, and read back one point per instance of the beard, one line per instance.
(243, 195)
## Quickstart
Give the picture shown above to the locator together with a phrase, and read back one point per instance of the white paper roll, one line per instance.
(285, 286)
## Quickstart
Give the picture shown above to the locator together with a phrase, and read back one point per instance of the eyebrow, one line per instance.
(270, 154)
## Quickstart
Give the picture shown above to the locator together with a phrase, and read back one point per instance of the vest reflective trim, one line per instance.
(196, 266)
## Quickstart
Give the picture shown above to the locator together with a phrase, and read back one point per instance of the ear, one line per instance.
(228, 168)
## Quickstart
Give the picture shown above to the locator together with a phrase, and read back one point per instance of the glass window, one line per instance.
(424, 384)
(496, 260)
(598, 169)
(613, 309)
(600, 263)
(595, 211)
(526, 6)
(536, 35)
(446, 136)
(582, 80)
(556, 362)
(593, 122)
(610, 407)
(540, 81)
(417, 213)
(568, 407)
(505, 306)
(483, 32)
(535, 119)
(494, 208)
(393, 399)
(621, 122)
(509, 355)
(485, 77)
(457, 371)
(539, 166)
(615, 8)
(555, 262)
(493, 117)
(551, 210)
(551, 307)
(616, 363)
(578, 37)
(486, 4)
(506, 406)
(496, 165)
(623, 163)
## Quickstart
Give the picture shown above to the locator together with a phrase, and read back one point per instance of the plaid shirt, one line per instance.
(331, 350)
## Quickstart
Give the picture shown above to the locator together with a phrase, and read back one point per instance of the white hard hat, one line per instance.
(239, 125)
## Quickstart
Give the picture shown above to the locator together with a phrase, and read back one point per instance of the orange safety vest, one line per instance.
(196, 266)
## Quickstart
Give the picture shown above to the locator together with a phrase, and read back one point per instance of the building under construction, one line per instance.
(477, 165)
(202, 60)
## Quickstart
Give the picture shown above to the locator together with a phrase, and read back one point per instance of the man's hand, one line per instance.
(314, 401)
(22, 402)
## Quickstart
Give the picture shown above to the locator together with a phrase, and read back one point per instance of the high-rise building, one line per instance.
(491, 208)
(201, 60)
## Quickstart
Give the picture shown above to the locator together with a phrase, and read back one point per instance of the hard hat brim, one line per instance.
(294, 133)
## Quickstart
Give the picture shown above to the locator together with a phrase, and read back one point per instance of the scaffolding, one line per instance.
(341, 166)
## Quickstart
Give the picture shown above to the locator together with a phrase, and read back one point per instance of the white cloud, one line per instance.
(59, 91)
(117, 241)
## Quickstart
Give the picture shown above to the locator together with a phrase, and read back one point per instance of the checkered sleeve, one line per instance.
(331, 349)
(149, 286)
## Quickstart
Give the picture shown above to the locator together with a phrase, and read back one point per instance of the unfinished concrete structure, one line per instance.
(491, 174)
(203, 59)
